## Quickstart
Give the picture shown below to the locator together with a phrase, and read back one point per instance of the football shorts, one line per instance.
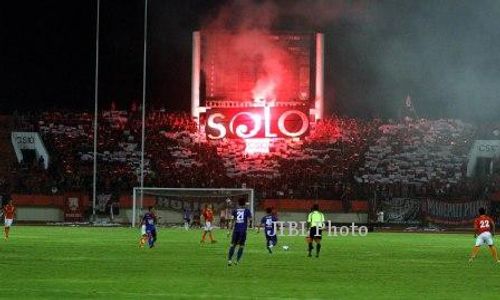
(208, 226)
(484, 238)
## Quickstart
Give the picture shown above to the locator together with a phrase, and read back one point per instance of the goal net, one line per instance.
(171, 203)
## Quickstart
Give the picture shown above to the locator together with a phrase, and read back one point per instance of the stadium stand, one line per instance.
(344, 158)
(6, 151)
(419, 158)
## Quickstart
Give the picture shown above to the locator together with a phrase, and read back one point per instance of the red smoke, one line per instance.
(250, 65)
(272, 63)
(244, 60)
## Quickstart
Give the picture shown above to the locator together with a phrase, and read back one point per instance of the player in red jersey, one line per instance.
(208, 215)
(484, 228)
(8, 211)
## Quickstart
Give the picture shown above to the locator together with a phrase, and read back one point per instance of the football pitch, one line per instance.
(81, 262)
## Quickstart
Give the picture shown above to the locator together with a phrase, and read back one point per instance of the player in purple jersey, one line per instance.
(148, 221)
(241, 217)
(268, 221)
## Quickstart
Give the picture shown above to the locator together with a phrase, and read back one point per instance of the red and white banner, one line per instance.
(73, 209)
(453, 213)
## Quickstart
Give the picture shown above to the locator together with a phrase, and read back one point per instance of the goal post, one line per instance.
(175, 200)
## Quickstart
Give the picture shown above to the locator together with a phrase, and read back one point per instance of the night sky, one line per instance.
(445, 54)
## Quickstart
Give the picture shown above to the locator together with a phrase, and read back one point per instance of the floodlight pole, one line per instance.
(96, 116)
(144, 62)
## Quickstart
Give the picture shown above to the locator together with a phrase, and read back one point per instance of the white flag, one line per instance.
(408, 101)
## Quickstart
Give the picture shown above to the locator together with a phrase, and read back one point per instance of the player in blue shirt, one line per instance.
(149, 220)
(241, 217)
(268, 221)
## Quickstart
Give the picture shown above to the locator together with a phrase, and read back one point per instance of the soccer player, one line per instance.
(144, 235)
(222, 218)
(227, 215)
(8, 212)
(315, 222)
(187, 218)
(268, 221)
(149, 222)
(484, 230)
(208, 215)
(241, 218)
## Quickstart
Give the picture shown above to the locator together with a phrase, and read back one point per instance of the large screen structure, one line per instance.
(234, 70)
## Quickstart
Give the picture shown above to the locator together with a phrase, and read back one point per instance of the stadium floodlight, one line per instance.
(144, 82)
(177, 199)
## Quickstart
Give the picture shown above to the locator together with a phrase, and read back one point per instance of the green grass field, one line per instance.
(76, 262)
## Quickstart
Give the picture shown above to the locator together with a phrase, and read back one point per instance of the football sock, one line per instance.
(152, 240)
(203, 236)
(231, 252)
(475, 250)
(494, 253)
(310, 248)
(240, 253)
(318, 247)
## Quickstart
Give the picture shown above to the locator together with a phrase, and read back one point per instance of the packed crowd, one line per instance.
(419, 158)
(342, 158)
